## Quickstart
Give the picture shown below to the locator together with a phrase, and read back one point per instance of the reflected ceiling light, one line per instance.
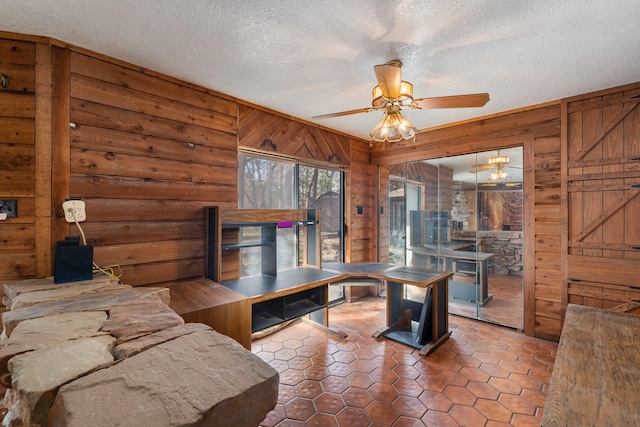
(499, 174)
(499, 160)
(393, 127)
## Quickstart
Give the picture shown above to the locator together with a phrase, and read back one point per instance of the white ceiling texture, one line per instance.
(306, 58)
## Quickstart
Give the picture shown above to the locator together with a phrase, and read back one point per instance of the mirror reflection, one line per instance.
(461, 214)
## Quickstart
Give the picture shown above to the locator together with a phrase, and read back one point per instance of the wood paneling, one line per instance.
(149, 152)
(17, 52)
(601, 262)
(263, 132)
(18, 158)
(146, 153)
(360, 190)
(538, 129)
(17, 130)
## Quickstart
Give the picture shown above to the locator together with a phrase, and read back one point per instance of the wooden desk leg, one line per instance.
(388, 312)
(337, 332)
(440, 298)
(320, 319)
(430, 347)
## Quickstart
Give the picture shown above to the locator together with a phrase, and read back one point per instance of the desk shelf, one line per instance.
(469, 283)
(276, 296)
(277, 310)
(241, 245)
(279, 296)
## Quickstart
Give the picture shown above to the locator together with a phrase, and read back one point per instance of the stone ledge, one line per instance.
(116, 355)
(202, 378)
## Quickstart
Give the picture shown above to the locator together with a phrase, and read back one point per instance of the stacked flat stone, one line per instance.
(101, 353)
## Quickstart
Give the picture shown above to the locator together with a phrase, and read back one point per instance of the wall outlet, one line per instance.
(9, 207)
(74, 211)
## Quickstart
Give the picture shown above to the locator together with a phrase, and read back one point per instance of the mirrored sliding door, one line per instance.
(463, 214)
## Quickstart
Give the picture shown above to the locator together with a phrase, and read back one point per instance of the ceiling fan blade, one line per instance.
(389, 77)
(456, 101)
(480, 168)
(344, 113)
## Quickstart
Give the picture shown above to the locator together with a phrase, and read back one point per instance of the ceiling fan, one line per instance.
(500, 163)
(392, 94)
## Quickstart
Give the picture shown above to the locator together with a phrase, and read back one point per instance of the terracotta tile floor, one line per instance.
(484, 375)
(506, 306)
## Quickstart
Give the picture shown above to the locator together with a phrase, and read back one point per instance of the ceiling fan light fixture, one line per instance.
(499, 160)
(405, 96)
(499, 175)
(393, 127)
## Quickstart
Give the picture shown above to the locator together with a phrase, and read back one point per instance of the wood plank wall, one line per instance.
(538, 127)
(437, 183)
(361, 189)
(149, 151)
(146, 155)
(263, 132)
(145, 152)
(18, 159)
(601, 175)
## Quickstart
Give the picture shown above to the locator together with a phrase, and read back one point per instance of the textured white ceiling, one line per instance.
(306, 58)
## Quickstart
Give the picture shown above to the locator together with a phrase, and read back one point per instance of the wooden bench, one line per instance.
(596, 375)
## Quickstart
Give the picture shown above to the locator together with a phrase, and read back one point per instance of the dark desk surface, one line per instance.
(395, 273)
(295, 279)
(446, 251)
(357, 267)
(445, 246)
(413, 275)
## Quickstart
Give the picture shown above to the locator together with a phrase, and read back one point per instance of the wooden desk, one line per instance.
(431, 315)
(596, 375)
(205, 301)
(470, 281)
(289, 295)
(237, 308)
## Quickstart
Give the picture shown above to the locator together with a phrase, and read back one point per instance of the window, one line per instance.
(275, 184)
(322, 189)
(266, 183)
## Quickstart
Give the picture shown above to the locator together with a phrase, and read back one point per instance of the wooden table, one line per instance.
(241, 307)
(290, 295)
(205, 301)
(431, 317)
(596, 375)
(470, 281)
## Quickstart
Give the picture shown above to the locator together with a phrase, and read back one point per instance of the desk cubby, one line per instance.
(277, 310)
(276, 296)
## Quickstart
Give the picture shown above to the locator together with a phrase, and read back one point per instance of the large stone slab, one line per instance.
(200, 379)
(46, 331)
(140, 317)
(89, 302)
(37, 375)
(32, 298)
(130, 348)
(18, 287)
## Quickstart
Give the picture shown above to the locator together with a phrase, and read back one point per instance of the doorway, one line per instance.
(464, 214)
